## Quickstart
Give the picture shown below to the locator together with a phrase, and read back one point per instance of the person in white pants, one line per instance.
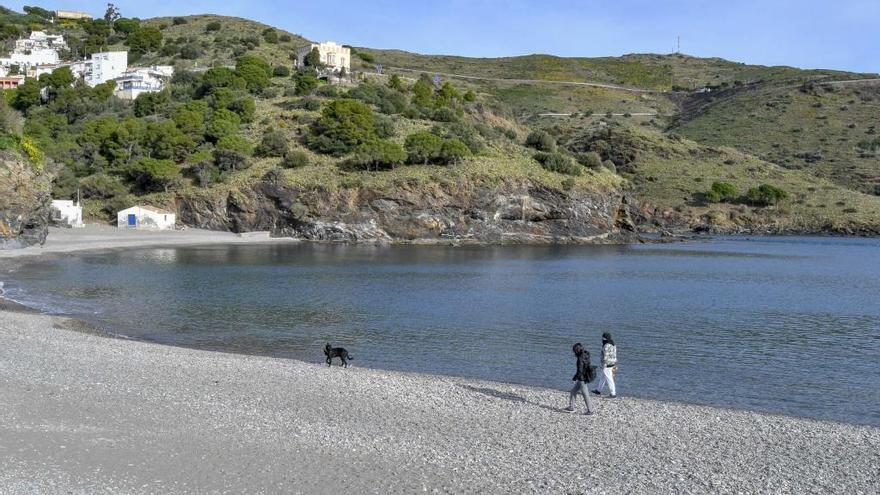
(609, 361)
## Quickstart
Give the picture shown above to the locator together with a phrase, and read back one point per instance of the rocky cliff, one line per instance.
(25, 203)
(465, 211)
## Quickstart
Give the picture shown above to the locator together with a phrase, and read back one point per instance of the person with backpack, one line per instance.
(609, 366)
(584, 374)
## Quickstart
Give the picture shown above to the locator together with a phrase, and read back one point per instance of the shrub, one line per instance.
(444, 114)
(177, 21)
(766, 194)
(223, 123)
(559, 163)
(310, 104)
(344, 125)
(229, 160)
(541, 141)
(591, 160)
(568, 184)
(190, 51)
(284, 38)
(274, 143)
(454, 150)
(101, 186)
(385, 127)
(470, 96)
(366, 57)
(423, 147)
(609, 165)
(280, 71)
(254, 70)
(306, 84)
(295, 159)
(377, 155)
(151, 174)
(721, 191)
(213, 27)
(327, 91)
(235, 142)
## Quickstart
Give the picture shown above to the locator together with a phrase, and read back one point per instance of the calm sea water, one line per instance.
(787, 325)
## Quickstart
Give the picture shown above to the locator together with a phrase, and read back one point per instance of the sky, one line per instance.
(830, 34)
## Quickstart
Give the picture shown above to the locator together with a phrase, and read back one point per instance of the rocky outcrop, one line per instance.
(489, 212)
(25, 203)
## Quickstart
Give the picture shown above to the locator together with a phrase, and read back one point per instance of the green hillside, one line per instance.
(827, 130)
(237, 115)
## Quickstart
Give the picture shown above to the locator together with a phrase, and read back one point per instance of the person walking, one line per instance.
(582, 376)
(609, 366)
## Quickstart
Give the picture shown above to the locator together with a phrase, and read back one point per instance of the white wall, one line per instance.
(146, 219)
(107, 66)
(67, 212)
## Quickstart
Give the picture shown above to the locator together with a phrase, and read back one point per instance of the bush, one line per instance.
(766, 194)
(229, 160)
(344, 125)
(101, 186)
(721, 191)
(190, 51)
(280, 71)
(306, 84)
(541, 141)
(377, 155)
(295, 159)
(151, 174)
(310, 104)
(213, 27)
(254, 70)
(559, 163)
(423, 147)
(470, 96)
(177, 21)
(591, 160)
(235, 143)
(274, 143)
(327, 91)
(454, 150)
(444, 114)
(609, 165)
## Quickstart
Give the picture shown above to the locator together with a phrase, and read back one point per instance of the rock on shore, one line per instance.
(80, 413)
(466, 211)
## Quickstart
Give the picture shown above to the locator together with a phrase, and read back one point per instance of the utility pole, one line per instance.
(678, 45)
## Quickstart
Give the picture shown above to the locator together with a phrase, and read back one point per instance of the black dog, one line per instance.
(332, 352)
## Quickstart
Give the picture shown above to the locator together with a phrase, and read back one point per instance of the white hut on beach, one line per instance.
(67, 213)
(145, 217)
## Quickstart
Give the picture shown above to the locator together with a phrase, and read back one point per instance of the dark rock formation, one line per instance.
(25, 204)
(505, 212)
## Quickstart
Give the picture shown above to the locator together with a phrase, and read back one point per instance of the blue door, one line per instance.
(132, 220)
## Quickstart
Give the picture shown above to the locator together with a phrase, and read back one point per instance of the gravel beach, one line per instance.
(96, 237)
(83, 413)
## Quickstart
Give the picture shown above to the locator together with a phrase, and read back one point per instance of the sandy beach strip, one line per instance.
(95, 237)
(82, 413)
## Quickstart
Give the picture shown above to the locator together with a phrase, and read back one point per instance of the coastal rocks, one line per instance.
(25, 204)
(491, 212)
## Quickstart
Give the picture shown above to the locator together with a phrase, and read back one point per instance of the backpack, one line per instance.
(590, 374)
(609, 355)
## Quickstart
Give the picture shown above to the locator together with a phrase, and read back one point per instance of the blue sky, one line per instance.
(835, 34)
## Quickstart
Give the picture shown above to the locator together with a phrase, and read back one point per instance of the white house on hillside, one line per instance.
(104, 66)
(139, 80)
(335, 56)
(37, 49)
(66, 212)
(145, 217)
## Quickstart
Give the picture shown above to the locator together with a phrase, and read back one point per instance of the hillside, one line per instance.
(829, 130)
(522, 149)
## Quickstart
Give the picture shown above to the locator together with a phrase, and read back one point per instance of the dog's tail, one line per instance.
(350, 358)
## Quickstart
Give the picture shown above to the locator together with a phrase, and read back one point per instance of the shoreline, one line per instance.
(152, 417)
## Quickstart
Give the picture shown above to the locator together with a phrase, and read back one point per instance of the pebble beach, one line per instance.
(83, 412)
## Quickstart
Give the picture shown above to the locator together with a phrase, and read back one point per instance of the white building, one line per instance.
(333, 55)
(66, 212)
(139, 80)
(37, 49)
(104, 66)
(145, 217)
(71, 15)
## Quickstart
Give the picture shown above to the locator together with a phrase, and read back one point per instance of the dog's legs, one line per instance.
(344, 362)
(329, 361)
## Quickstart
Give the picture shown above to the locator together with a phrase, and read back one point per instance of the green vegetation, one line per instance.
(768, 145)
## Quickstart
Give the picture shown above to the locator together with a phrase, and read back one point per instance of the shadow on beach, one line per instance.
(509, 396)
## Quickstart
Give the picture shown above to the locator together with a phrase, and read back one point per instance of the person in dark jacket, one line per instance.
(580, 379)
